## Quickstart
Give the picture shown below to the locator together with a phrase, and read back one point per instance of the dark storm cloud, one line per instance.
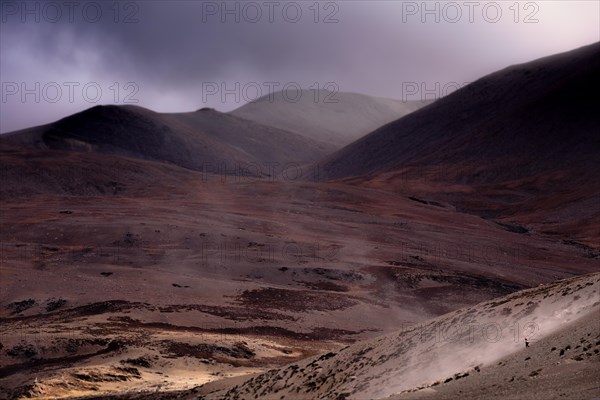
(169, 49)
(176, 43)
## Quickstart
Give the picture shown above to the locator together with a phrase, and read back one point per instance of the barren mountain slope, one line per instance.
(106, 260)
(520, 146)
(454, 346)
(337, 118)
(204, 140)
(529, 118)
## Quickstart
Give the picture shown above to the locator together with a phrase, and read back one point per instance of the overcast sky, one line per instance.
(61, 57)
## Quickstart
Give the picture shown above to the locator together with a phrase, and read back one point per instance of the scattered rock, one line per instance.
(22, 350)
(143, 362)
(55, 304)
(20, 306)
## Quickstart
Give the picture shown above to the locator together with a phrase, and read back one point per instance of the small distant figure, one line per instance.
(526, 343)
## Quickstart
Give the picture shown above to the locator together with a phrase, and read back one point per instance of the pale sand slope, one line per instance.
(455, 343)
(336, 118)
(563, 365)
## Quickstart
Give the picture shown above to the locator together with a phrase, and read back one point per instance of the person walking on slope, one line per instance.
(526, 343)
